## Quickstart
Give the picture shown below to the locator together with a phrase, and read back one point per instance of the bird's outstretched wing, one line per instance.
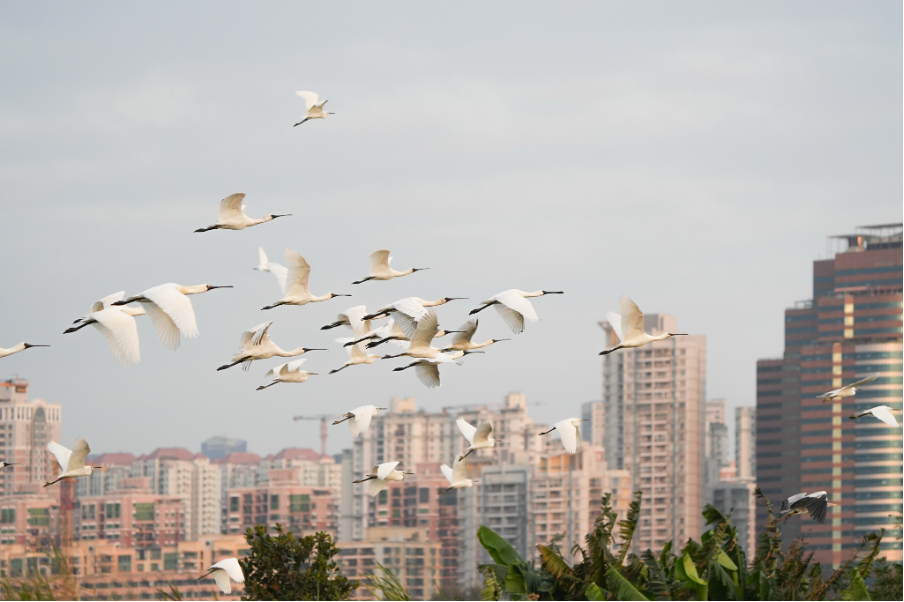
(166, 329)
(280, 271)
(817, 506)
(484, 429)
(104, 303)
(121, 333)
(468, 329)
(61, 453)
(354, 315)
(232, 568)
(376, 486)
(615, 322)
(426, 329)
(298, 272)
(80, 451)
(631, 318)
(864, 381)
(428, 374)
(884, 415)
(231, 206)
(447, 472)
(263, 261)
(466, 429)
(361, 421)
(379, 260)
(176, 305)
(295, 365)
(569, 434)
(222, 580)
(514, 301)
(356, 351)
(384, 469)
(310, 98)
(460, 471)
(254, 336)
(275, 370)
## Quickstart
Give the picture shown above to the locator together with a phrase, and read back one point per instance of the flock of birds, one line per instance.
(412, 327)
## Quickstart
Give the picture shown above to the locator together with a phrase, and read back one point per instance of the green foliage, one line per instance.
(285, 567)
(887, 581)
(388, 585)
(60, 585)
(519, 579)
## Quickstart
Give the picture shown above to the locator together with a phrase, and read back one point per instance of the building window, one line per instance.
(171, 561)
(124, 564)
(234, 504)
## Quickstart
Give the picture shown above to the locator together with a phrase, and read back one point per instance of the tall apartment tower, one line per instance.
(26, 427)
(850, 329)
(745, 442)
(655, 412)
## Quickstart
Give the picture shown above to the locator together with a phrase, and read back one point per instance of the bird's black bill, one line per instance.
(210, 288)
(29, 345)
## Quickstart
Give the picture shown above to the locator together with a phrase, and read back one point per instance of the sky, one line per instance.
(693, 155)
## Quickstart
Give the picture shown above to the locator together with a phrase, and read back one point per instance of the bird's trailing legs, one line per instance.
(262, 387)
(365, 479)
(608, 351)
(74, 328)
(338, 370)
(333, 325)
(300, 122)
(238, 361)
(363, 280)
(277, 304)
(481, 308)
(549, 431)
(348, 416)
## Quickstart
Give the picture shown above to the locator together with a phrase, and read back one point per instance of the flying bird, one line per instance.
(359, 419)
(478, 437)
(408, 312)
(256, 345)
(382, 474)
(380, 270)
(232, 215)
(630, 324)
(353, 319)
(223, 571)
(117, 324)
(427, 370)
(514, 307)
(170, 310)
(18, 348)
(847, 390)
(392, 332)
(313, 106)
(297, 292)
(276, 269)
(883, 413)
(288, 373)
(357, 356)
(458, 476)
(462, 340)
(569, 432)
(5, 464)
(420, 345)
(72, 461)
(814, 504)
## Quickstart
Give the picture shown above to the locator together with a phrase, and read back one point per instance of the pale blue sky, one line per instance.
(692, 155)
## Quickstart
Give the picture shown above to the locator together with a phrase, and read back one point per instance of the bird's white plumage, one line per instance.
(120, 331)
(482, 433)
(514, 309)
(298, 272)
(615, 322)
(631, 319)
(379, 261)
(231, 207)
(254, 336)
(428, 373)
(263, 261)
(311, 99)
(175, 313)
(80, 451)
(447, 472)
(569, 434)
(466, 429)
(884, 414)
(376, 486)
(849, 390)
(105, 302)
(61, 453)
(384, 470)
(459, 471)
(281, 272)
(225, 570)
(468, 329)
(352, 316)
(287, 368)
(222, 580)
(426, 329)
(361, 420)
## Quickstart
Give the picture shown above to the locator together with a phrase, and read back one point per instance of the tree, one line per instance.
(285, 567)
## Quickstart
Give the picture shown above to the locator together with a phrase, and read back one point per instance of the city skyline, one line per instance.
(529, 158)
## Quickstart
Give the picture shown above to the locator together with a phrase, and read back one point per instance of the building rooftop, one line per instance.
(174, 453)
(239, 458)
(113, 459)
(292, 453)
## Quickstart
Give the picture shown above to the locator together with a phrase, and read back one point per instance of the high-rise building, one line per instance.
(26, 427)
(117, 466)
(593, 425)
(313, 469)
(219, 446)
(745, 441)
(850, 329)
(655, 413)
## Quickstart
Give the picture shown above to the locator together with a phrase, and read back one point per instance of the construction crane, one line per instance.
(323, 418)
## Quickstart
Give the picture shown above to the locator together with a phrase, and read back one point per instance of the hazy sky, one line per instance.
(694, 156)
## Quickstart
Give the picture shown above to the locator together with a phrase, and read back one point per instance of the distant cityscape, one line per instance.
(160, 518)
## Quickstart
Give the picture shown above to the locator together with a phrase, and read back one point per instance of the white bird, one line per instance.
(427, 370)
(256, 344)
(276, 269)
(357, 356)
(630, 324)
(223, 571)
(313, 106)
(396, 335)
(847, 390)
(570, 433)
(72, 461)
(288, 373)
(232, 215)
(514, 307)
(170, 310)
(814, 504)
(353, 319)
(297, 292)
(462, 340)
(883, 413)
(18, 348)
(420, 346)
(117, 324)
(478, 437)
(408, 312)
(359, 419)
(381, 474)
(380, 270)
(458, 476)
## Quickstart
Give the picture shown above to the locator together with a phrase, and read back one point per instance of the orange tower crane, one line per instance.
(323, 418)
